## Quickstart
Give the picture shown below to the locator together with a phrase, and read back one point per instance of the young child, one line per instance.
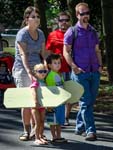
(38, 112)
(54, 78)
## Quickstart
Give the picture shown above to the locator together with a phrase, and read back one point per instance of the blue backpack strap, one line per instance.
(74, 31)
(94, 31)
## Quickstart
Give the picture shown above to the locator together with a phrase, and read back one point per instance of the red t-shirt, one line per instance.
(55, 44)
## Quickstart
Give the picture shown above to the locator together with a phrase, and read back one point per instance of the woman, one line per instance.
(29, 46)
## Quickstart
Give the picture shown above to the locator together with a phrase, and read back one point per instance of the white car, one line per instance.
(8, 37)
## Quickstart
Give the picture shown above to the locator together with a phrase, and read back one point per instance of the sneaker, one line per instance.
(24, 137)
(91, 137)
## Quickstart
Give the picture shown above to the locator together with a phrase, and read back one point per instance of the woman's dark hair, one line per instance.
(27, 13)
(52, 57)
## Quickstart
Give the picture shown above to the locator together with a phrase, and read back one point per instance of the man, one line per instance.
(86, 67)
(55, 45)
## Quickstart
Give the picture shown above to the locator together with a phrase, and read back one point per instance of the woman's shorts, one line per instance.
(21, 78)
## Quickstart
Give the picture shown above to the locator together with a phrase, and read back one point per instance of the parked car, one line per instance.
(8, 37)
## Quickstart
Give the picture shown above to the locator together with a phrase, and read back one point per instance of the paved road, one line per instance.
(11, 128)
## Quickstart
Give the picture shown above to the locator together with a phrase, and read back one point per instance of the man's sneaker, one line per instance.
(91, 137)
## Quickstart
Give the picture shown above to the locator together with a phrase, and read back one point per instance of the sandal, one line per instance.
(32, 134)
(24, 137)
(44, 141)
(38, 142)
(59, 140)
(44, 137)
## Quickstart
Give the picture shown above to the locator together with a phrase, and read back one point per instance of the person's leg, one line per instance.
(37, 118)
(58, 131)
(85, 115)
(26, 116)
(94, 85)
(95, 81)
(80, 127)
(53, 132)
(90, 82)
(60, 114)
(67, 113)
(22, 80)
(41, 130)
(68, 106)
(58, 134)
(93, 90)
(32, 133)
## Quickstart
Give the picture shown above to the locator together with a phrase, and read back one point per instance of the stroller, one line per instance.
(6, 79)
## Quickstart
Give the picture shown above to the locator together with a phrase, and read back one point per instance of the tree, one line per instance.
(11, 12)
(40, 5)
(107, 15)
(71, 6)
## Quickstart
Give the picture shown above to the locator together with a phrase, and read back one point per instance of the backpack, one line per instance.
(5, 74)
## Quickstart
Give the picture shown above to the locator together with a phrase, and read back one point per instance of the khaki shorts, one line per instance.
(21, 78)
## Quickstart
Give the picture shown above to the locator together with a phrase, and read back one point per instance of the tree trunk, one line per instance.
(71, 6)
(107, 17)
(40, 5)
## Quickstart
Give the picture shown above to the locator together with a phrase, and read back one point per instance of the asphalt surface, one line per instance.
(11, 128)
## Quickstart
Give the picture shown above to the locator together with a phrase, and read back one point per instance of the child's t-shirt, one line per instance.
(53, 78)
(58, 116)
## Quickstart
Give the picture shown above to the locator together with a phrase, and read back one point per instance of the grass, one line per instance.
(9, 50)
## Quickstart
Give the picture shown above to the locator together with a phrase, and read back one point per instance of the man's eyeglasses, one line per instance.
(84, 13)
(41, 71)
(33, 17)
(64, 20)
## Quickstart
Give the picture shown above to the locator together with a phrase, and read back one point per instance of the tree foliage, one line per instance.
(107, 15)
(11, 12)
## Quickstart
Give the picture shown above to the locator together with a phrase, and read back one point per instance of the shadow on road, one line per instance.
(11, 128)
